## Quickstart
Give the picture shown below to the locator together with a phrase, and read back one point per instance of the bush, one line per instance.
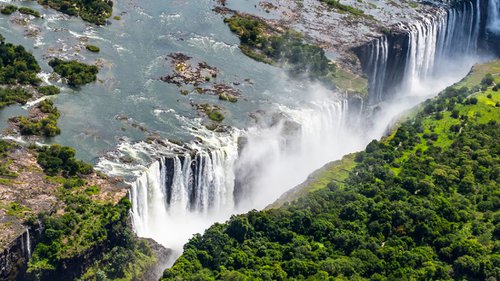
(343, 8)
(9, 9)
(10, 96)
(57, 159)
(488, 80)
(216, 115)
(17, 65)
(49, 90)
(94, 11)
(76, 73)
(46, 126)
(92, 48)
(29, 11)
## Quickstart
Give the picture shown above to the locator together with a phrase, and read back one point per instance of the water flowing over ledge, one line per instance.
(404, 62)
(180, 190)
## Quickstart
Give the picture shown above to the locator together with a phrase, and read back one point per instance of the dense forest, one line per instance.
(17, 66)
(76, 73)
(423, 204)
(94, 11)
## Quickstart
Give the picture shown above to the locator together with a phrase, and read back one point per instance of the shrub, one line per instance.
(10, 96)
(92, 48)
(216, 115)
(49, 90)
(75, 72)
(17, 65)
(57, 159)
(29, 11)
(488, 80)
(9, 9)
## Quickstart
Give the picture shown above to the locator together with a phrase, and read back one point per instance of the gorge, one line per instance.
(207, 184)
(187, 172)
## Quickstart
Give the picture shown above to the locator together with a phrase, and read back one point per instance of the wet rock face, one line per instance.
(14, 257)
(383, 84)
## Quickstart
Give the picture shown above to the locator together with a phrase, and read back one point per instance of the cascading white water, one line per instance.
(277, 158)
(28, 242)
(180, 189)
(438, 39)
(185, 190)
(493, 24)
(447, 35)
(379, 51)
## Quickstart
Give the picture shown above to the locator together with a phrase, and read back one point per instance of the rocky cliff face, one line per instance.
(416, 51)
(394, 44)
(16, 254)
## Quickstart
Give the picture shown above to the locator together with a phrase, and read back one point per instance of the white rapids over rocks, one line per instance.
(180, 190)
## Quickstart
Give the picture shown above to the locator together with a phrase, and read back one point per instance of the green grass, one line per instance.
(480, 113)
(350, 82)
(16, 210)
(336, 171)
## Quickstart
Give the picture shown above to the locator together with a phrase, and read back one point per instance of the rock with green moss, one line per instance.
(92, 48)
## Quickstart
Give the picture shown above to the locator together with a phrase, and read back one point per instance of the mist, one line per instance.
(191, 186)
(493, 24)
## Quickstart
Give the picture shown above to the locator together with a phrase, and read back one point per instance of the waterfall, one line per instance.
(277, 158)
(187, 189)
(377, 64)
(493, 24)
(434, 42)
(398, 66)
(28, 242)
(177, 186)
(183, 189)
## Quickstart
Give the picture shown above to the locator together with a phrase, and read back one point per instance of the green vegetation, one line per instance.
(45, 126)
(262, 42)
(123, 263)
(17, 210)
(423, 204)
(343, 8)
(49, 90)
(94, 11)
(92, 48)
(8, 9)
(29, 11)
(17, 66)
(5, 173)
(227, 97)
(76, 73)
(84, 225)
(10, 96)
(288, 48)
(56, 159)
(85, 228)
(216, 115)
